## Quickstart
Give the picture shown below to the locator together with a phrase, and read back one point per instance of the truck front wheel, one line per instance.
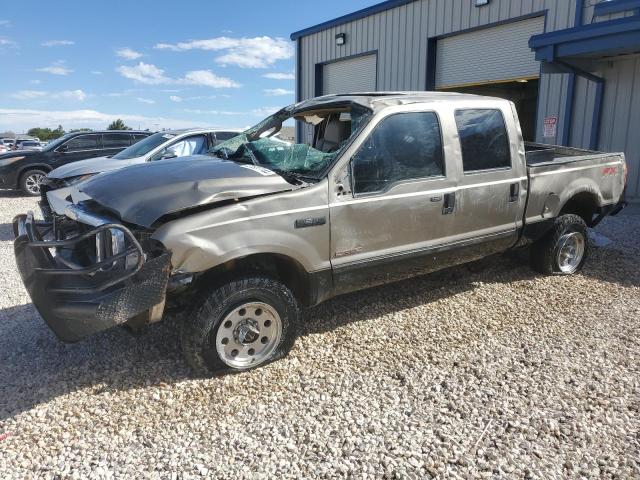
(241, 325)
(564, 249)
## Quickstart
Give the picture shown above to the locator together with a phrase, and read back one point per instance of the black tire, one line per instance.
(25, 184)
(544, 252)
(200, 329)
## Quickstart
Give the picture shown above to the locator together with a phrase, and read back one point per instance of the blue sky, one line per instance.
(154, 64)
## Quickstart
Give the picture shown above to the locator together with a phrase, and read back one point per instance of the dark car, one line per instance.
(24, 169)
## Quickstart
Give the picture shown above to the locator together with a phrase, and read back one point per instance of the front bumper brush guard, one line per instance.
(78, 301)
(25, 224)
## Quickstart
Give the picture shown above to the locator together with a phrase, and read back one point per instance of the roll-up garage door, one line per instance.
(488, 55)
(356, 74)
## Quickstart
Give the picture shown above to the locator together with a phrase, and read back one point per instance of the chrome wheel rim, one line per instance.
(570, 252)
(32, 183)
(248, 335)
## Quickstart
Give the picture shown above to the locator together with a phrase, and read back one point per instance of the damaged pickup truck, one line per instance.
(386, 186)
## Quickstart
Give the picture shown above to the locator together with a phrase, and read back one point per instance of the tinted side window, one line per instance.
(84, 142)
(402, 147)
(137, 138)
(484, 139)
(115, 140)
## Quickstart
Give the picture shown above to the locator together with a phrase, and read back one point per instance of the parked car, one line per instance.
(3, 148)
(28, 145)
(389, 186)
(25, 169)
(159, 146)
(9, 142)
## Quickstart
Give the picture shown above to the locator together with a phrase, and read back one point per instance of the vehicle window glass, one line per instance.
(115, 140)
(483, 139)
(137, 138)
(83, 142)
(220, 136)
(402, 147)
(195, 145)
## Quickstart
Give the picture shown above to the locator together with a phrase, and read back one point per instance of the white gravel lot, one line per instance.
(481, 371)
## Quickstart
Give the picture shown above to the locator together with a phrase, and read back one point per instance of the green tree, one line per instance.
(46, 133)
(118, 125)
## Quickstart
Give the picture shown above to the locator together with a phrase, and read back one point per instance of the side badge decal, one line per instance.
(310, 222)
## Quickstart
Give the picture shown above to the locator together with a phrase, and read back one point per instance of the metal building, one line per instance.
(572, 67)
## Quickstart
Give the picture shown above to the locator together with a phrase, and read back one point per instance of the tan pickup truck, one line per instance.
(386, 186)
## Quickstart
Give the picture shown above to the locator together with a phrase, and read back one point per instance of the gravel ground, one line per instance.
(481, 371)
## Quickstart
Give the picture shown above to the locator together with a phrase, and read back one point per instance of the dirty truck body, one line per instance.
(390, 186)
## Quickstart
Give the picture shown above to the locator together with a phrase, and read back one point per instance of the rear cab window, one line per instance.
(403, 146)
(483, 140)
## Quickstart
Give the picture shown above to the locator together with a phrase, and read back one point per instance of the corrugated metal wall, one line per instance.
(620, 125)
(400, 36)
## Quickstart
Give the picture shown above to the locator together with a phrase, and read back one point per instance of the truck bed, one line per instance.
(557, 174)
(538, 154)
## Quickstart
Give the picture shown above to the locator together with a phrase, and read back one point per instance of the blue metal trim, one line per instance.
(365, 12)
(568, 111)
(577, 21)
(583, 32)
(597, 116)
(614, 6)
(432, 50)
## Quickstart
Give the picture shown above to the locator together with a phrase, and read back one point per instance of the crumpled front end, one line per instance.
(89, 274)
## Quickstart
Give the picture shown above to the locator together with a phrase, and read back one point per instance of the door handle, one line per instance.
(449, 203)
(514, 192)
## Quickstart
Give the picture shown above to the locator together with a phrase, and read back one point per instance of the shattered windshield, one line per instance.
(325, 131)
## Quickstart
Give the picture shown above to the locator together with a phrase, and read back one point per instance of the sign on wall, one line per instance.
(550, 126)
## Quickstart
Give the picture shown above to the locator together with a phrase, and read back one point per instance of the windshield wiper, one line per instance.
(293, 177)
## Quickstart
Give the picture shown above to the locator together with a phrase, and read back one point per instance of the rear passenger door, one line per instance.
(388, 222)
(492, 186)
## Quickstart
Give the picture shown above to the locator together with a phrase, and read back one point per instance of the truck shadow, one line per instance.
(6, 232)
(12, 194)
(37, 368)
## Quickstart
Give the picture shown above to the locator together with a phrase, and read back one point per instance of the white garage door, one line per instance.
(488, 55)
(352, 75)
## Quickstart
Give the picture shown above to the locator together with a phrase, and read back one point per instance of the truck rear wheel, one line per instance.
(564, 249)
(241, 325)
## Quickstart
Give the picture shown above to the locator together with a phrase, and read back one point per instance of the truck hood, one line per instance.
(142, 194)
(91, 166)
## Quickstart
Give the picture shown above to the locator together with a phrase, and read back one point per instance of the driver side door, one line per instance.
(388, 226)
